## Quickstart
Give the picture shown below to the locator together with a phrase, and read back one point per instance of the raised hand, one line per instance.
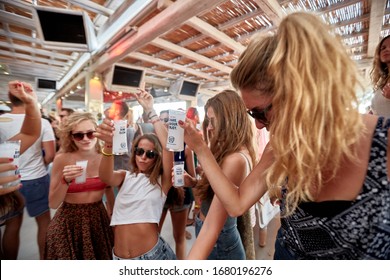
(145, 99)
(23, 91)
(105, 131)
(192, 137)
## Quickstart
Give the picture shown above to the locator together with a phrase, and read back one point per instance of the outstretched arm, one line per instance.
(31, 127)
(145, 99)
(107, 174)
(235, 200)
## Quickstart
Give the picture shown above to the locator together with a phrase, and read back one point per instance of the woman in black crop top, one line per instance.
(300, 84)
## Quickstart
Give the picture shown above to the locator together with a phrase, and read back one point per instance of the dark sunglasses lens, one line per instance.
(150, 154)
(90, 135)
(139, 151)
(78, 136)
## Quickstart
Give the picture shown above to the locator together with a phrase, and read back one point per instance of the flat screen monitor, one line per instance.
(65, 29)
(45, 84)
(185, 89)
(125, 78)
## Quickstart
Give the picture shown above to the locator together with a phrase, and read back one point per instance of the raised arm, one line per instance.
(145, 99)
(107, 174)
(235, 200)
(31, 127)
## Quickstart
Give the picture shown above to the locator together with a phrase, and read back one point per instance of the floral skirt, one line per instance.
(80, 232)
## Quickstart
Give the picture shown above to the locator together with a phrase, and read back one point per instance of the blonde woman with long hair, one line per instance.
(80, 228)
(325, 162)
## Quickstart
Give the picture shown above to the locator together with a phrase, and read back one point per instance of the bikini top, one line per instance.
(91, 184)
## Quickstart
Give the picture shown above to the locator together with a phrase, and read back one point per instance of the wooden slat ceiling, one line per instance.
(198, 40)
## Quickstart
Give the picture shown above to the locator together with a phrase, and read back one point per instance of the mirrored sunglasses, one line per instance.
(80, 136)
(149, 154)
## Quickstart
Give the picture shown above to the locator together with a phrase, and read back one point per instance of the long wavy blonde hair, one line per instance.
(314, 123)
(380, 72)
(233, 130)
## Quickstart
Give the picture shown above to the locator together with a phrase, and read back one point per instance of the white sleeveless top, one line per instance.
(138, 201)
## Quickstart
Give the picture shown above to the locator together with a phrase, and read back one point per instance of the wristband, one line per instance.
(151, 113)
(106, 154)
(153, 121)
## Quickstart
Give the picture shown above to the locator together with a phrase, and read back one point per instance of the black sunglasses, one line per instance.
(260, 115)
(149, 154)
(80, 136)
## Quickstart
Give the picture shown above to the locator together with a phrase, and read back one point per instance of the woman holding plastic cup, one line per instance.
(80, 228)
(229, 134)
(11, 202)
(142, 191)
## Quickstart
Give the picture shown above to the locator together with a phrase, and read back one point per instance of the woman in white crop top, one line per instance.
(142, 191)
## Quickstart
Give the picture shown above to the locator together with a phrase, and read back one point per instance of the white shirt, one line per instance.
(31, 163)
(138, 201)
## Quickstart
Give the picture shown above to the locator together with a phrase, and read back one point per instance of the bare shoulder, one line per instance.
(234, 160)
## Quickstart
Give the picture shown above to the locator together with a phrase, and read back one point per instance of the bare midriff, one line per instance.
(135, 239)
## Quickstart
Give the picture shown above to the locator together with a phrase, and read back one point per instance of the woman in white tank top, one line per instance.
(142, 191)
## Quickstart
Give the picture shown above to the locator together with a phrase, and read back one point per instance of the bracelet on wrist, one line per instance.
(105, 154)
(154, 120)
(151, 113)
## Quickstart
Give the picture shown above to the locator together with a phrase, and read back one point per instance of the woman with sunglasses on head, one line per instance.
(142, 191)
(331, 161)
(229, 135)
(80, 228)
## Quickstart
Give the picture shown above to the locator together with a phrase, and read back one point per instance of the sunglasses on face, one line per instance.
(149, 154)
(261, 115)
(164, 120)
(80, 136)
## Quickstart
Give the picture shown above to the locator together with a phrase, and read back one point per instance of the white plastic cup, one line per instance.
(10, 149)
(119, 142)
(82, 178)
(178, 174)
(175, 141)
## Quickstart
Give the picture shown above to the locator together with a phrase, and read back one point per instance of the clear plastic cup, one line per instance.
(10, 149)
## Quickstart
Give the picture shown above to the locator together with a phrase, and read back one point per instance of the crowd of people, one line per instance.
(323, 164)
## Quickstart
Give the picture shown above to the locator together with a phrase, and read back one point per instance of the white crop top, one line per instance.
(138, 201)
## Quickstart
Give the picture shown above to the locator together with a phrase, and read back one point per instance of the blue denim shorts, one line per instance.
(160, 251)
(228, 246)
(36, 195)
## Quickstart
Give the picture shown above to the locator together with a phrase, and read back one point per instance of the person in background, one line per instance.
(179, 200)
(11, 201)
(326, 163)
(142, 191)
(33, 167)
(65, 113)
(380, 78)
(230, 138)
(80, 228)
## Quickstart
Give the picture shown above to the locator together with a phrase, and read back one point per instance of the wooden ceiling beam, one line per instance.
(376, 20)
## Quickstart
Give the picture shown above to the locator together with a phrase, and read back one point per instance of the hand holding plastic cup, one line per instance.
(178, 174)
(81, 179)
(10, 149)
